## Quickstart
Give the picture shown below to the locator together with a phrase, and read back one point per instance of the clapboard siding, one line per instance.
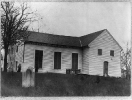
(96, 62)
(48, 57)
(85, 61)
(88, 59)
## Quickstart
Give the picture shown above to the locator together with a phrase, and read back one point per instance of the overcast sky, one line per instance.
(81, 18)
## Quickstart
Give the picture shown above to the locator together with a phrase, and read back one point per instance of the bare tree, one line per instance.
(14, 25)
(126, 61)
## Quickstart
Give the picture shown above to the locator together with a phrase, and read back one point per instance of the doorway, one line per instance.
(74, 61)
(38, 59)
(105, 68)
(57, 60)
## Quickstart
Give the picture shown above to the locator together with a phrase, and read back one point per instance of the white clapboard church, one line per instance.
(97, 53)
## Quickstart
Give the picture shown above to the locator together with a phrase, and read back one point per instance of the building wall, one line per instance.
(85, 61)
(48, 57)
(96, 62)
(88, 59)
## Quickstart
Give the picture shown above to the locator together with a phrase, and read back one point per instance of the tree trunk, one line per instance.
(5, 59)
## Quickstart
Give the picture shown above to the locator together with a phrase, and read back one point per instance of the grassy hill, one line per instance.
(49, 84)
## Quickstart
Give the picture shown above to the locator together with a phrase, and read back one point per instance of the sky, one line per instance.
(81, 18)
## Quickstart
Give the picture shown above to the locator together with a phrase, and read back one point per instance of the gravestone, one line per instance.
(28, 77)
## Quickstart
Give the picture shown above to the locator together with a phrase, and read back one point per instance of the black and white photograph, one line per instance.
(65, 49)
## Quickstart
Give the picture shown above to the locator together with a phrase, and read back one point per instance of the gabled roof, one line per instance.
(86, 39)
(53, 39)
(114, 39)
(63, 40)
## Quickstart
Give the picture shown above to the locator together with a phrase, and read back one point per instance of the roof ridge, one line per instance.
(54, 34)
(67, 35)
(94, 32)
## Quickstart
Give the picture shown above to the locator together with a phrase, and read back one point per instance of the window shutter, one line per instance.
(40, 58)
(99, 51)
(57, 60)
(74, 61)
(111, 52)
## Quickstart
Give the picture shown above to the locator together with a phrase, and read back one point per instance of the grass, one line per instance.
(50, 84)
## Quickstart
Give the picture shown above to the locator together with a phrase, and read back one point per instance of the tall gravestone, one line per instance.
(28, 76)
